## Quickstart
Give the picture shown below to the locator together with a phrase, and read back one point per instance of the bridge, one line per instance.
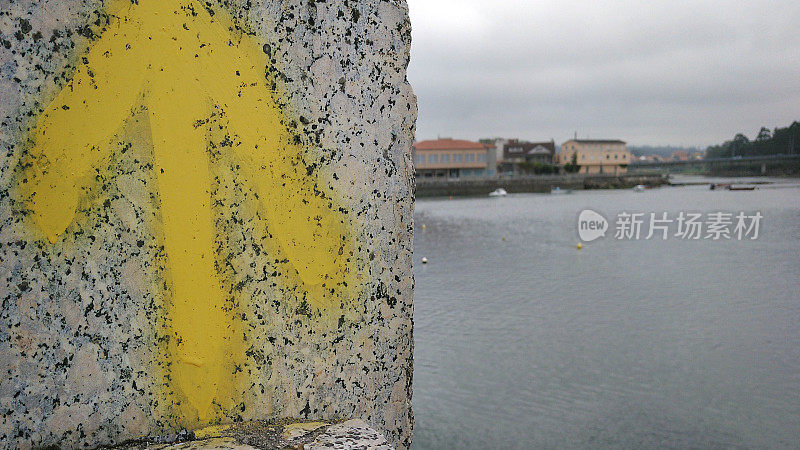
(738, 165)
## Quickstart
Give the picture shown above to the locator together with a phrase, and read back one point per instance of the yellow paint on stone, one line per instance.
(183, 63)
(210, 432)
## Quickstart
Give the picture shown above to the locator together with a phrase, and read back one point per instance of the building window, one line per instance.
(481, 157)
(583, 157)
(458, 157)
(608, 156)
(446, 158)
(616, 156)
(470, 157)
(433, 159)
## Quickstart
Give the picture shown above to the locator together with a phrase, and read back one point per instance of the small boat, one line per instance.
(715, 186)
(741, 188)
(499, 192)
(639, 188)
(558, 190)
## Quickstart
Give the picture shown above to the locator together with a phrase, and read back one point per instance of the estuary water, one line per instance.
(524, 341)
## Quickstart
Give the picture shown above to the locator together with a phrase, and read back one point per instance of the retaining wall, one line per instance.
(544, 183)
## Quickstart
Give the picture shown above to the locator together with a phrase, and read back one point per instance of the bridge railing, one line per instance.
(735, 159)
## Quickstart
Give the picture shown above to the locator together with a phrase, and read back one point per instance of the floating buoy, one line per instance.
(504, 238)
(451, 197)
(423, 226)
(424, 260)
(579, 246)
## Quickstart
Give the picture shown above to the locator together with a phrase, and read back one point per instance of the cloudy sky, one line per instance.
(650, 72)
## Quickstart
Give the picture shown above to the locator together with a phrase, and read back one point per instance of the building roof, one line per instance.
(540, 150)
(519, 147)
(450, 144)
(596, 141)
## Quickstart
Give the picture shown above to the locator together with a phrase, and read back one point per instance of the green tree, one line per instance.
(780, 141)
(764, 135)
(572, 166)
(538, 168)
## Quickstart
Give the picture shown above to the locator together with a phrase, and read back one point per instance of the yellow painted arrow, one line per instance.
(182, 61)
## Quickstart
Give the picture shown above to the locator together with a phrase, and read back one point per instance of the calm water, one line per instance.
(529, 343)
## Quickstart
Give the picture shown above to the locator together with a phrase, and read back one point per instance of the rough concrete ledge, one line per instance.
(351, 434)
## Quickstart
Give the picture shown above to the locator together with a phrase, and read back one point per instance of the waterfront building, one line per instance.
(516, 152)
(454, 158)
(680, 155)
(596, 155)
(498, 143)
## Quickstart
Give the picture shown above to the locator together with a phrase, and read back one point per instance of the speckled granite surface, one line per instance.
(353, 434)
(88, 337)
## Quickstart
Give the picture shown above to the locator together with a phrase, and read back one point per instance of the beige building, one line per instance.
(454, 158)
(596, 155)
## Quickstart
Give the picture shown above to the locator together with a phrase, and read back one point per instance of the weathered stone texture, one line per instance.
(84, 320)
(352, 434)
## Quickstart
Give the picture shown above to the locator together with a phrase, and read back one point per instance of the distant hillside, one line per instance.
(663, 151)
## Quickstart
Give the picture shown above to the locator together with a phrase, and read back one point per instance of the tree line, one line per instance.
(781, 141)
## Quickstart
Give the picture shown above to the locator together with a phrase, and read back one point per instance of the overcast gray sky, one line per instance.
(648, 72)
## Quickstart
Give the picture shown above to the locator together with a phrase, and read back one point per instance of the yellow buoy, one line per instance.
(423, 226)
(580, 246)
